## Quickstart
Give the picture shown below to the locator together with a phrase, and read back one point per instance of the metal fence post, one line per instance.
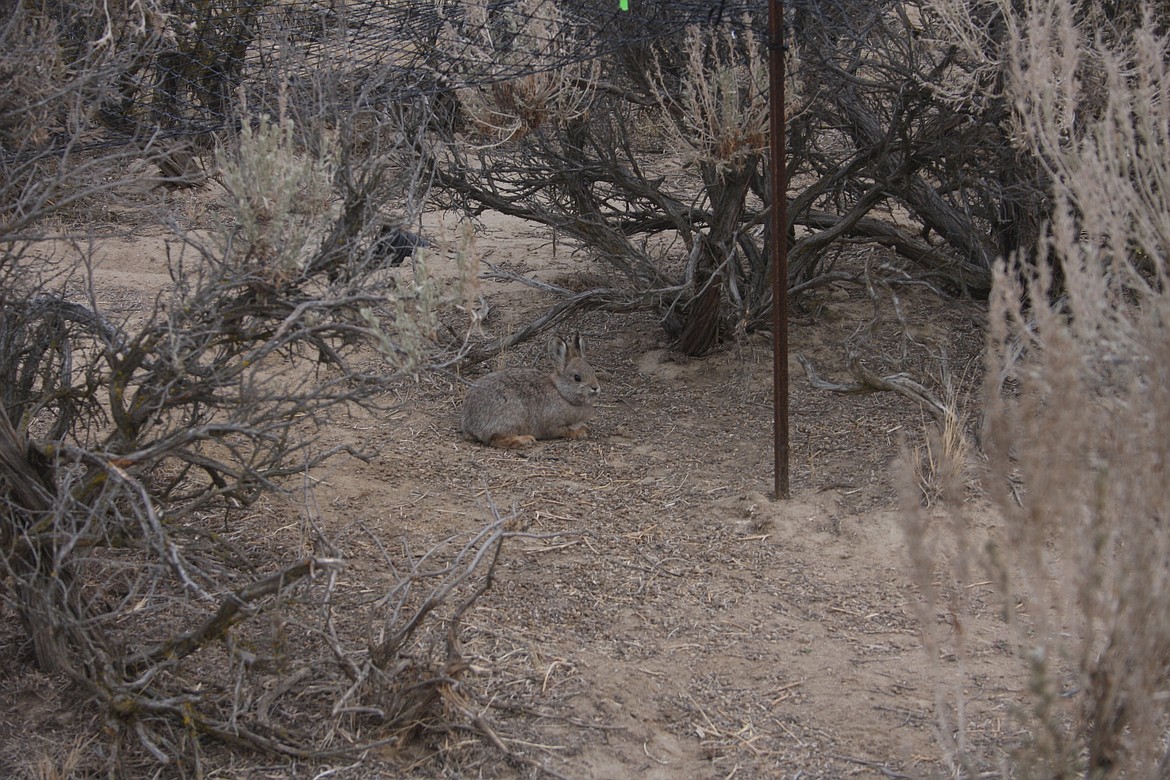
(779, 233)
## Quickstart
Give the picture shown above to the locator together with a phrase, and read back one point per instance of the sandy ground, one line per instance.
(685, 625)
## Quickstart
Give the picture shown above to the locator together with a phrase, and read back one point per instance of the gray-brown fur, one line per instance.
(517, 406)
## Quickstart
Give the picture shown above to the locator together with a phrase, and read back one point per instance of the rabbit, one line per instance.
(515, 407)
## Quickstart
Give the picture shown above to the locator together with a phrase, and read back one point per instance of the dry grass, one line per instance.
(62, 767)
(1077, 402)
(941, 463)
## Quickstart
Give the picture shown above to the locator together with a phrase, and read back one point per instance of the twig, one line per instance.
(872, 765)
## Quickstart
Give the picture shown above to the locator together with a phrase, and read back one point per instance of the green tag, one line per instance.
(624, 5)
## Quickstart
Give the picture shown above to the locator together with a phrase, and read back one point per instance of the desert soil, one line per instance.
(676, 621)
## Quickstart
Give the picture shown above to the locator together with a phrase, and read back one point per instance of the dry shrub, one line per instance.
(57, 64)
(1086, 552)
(719, 113)
(1078, 406)
(532, 76)
(282, 198)
(149, 467)
(30, 74)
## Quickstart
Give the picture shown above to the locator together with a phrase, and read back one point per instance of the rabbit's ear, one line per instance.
(577, 346)
(558, 350)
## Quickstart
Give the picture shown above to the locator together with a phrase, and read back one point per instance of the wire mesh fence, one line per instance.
(181, 68)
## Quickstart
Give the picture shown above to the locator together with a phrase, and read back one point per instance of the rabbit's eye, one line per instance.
(576, 377)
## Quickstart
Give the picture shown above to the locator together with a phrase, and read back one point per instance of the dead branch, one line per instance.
(229, 613)
(867, 381)
(601, 298)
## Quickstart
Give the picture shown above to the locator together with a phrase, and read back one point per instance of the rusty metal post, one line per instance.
(779, 233)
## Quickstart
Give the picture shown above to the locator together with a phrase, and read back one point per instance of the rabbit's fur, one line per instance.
(516, 406)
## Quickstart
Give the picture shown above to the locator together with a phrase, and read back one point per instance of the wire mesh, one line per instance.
(185, 72)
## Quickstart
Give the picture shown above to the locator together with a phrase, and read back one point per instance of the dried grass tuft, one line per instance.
(941, 461)
(1077, 420)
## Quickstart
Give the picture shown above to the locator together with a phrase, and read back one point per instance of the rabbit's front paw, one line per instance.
(512, 442)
